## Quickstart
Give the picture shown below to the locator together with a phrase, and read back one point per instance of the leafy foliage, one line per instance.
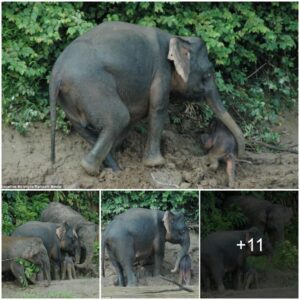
(253, 46)
(30, 270)
(19, 207)
(116, 202)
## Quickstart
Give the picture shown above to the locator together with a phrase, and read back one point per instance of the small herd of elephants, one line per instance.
(59, 242)
(138, 236)
(119, 73)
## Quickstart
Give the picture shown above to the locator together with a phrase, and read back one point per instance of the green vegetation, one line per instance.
(19, 207)
(30, 270)
(253, 47)
(116, 202)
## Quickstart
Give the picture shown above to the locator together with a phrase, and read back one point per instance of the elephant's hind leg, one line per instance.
(91, 138)
(110, 116)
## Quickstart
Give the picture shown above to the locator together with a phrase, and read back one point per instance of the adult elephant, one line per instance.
(31, 249)
(86, 231)
(220, 254)
(142, 233)
(270, 218)
(56, 238)
(118, 73)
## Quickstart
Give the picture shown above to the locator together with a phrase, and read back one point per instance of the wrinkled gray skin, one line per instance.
(87, 232)
(68, 268)
(141, 233)
(268, 217)
(31, 249)
(185, 270)
(119, 73)
(219, 255)
(221, 146)
(55, 237)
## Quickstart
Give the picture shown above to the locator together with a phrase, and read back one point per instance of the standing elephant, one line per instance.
(220, 254)
(119, 73)
(141, 232)
(87, 232)
(31, 249)
(55, 237)
(268, 217)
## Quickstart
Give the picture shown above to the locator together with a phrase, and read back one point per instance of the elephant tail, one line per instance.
(103, 245)
(53, 93)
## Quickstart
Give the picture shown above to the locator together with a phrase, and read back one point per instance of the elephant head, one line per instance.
(194, 75)
(67, 237)
(177, 233)
(277, 217)
(87, 234)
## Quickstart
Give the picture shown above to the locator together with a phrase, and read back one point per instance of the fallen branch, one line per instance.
(277, 148)
(178, 284)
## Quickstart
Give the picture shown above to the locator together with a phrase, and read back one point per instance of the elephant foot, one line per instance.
(88, 163)
(153, 161)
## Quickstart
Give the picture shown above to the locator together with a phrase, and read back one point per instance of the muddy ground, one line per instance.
(271, 284)
(77, 288)
(26, 161)
(155, 287)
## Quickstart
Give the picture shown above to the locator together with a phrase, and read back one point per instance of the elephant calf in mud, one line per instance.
(221, 146)
(141, 232)
(68, 268)
(29, 248)
(220, 254)
(185, 270)
(86, 231)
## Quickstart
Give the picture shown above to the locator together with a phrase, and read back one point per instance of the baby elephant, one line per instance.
(68, 268)
(220, 145)
(250, 280)
(185, 270)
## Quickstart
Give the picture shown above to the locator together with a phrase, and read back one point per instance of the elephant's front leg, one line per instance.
(158, 105)
(159, 251)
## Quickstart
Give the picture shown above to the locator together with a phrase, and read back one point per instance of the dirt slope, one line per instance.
(26, 162)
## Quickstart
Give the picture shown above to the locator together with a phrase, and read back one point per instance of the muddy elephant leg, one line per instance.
(73, 272)
(230, 170)
(109, 127)
(238, 279)
(91, 138)
(157, 115)
(159, 250)
(120, 280)
(205, 278)
(18, 272)
(69, 268)
(127, 264)
(217, 272)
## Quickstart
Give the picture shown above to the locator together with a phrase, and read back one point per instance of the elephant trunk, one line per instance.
(214, 101)
(184, 251)
(88, 259)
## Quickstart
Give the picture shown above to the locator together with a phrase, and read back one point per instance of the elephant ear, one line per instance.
(61, 230)
(167, 220)
(179, 53)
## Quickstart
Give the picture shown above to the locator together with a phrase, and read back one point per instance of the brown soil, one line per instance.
(153, 287)
(78, 288)
(26, 161)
